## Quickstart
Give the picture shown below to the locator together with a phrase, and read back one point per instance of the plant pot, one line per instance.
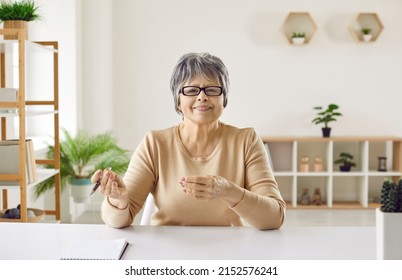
(16, 24)
(80, 189)
(389, 232)
(298, 40)
(367, 37)
(345, 168)
(326, 131)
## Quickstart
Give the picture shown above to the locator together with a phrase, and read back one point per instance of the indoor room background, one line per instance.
(117, 56)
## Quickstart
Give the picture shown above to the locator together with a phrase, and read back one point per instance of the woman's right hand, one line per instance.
(112, 187)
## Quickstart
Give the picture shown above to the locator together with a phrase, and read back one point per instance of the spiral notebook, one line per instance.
(105, 249)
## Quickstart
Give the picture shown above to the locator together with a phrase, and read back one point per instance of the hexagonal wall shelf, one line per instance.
(368, 21)
(299, 22)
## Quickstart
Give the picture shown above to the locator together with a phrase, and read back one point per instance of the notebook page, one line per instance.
(107, 249)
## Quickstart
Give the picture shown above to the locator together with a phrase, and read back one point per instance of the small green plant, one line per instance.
(82, 155)
(25, 10)
(391, 196)
(326, 116)
(298, 35)
(366, 31)
(346, 161)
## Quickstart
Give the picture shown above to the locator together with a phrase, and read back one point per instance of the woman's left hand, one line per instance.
(209, 187)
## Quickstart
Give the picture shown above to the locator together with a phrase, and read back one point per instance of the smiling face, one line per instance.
(201, 109)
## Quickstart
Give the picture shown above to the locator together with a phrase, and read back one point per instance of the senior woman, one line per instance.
(201, 171)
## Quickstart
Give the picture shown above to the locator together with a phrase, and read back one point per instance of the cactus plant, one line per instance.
(391, 196)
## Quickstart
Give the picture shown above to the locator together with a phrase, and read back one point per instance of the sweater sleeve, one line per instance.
(140, 180)
(262, 205)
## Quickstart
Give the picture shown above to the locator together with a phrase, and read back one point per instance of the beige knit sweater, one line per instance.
(161, 159)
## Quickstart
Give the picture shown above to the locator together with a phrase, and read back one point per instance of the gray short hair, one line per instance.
(203, 64)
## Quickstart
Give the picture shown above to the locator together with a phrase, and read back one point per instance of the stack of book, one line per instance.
(10, 164)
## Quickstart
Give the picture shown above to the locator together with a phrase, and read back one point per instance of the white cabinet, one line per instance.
(358, 188)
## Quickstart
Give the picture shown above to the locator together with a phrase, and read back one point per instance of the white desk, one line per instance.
(26, 241)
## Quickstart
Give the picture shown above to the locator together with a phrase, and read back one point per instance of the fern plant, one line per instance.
(25, 10)
(82, 155)
(391, 196)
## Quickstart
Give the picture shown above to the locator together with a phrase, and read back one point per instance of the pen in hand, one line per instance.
(98, 183)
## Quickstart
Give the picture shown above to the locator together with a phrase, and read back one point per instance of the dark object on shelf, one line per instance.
(391, 196)
(382, 163)
(316, 200)
(13, 213)
(346, 161)
(305, 197)
(326, 131)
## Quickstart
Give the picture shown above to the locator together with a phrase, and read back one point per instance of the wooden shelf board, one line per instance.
(336, 206)
(335, 139)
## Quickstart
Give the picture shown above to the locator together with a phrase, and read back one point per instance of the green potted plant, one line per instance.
(325, 116)
(17, 14)
(80, 157)
(298, 38)
(389, 221)
(346, 162)
(366, 34)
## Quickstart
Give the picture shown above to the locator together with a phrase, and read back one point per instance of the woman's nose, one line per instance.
(202, 96)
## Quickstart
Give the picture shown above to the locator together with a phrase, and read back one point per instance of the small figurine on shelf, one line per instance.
(318, 166)
(305, 197)
(316, 200)
(382, 163)
(304, 167)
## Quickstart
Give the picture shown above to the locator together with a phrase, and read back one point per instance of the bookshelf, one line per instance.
(23, 108)
(357, 189)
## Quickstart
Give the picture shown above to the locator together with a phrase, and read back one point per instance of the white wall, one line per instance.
(116, 58)
(273, 85)
(59, 23)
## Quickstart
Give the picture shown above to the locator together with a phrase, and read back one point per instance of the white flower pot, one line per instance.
(367, 37)
(298, 40)
(80, 189)
(389, 235)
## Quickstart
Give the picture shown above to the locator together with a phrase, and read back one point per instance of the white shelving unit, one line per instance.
(358, 189)
(25, 107)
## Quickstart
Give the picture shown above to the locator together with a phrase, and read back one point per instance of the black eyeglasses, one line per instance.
(194, 91)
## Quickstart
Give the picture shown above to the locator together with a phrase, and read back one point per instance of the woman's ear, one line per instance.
(179, 104)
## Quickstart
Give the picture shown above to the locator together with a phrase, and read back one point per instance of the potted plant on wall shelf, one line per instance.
(326, 116)
(80, 157)
(17, 14)
(298, 38)
(366, 34)
(346, 162)
(389, 221)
